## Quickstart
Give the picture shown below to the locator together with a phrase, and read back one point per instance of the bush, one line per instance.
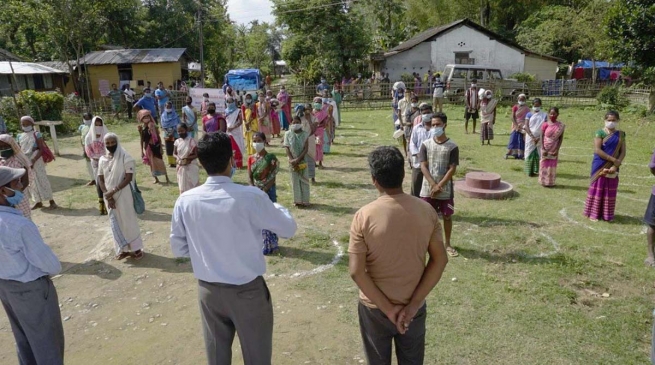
(612, 97)
(38, 105)
(523, 77)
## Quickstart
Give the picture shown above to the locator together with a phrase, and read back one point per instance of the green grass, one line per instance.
(531, 269)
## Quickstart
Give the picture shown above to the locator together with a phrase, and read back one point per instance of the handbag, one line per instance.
(139, 203)
(46, 153)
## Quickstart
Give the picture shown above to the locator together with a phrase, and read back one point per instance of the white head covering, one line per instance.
(522, 96)
(399, 85)
(91, 134)
(481, 93)
(9, 174)
(18, 152)
(116, 163)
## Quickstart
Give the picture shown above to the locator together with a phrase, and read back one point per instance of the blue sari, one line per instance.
(601, 197)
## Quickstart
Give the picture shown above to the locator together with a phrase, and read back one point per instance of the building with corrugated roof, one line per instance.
(135, 67)
(30, 76)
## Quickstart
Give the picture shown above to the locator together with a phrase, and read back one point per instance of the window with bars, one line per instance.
(463, 58)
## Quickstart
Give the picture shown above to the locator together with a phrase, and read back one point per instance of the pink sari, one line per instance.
(552, 137)
(321, 117)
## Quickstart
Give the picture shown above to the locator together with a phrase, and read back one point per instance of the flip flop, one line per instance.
(123, 255)
(137, 255)
(452, 252)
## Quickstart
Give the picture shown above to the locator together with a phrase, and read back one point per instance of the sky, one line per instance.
(245, 11)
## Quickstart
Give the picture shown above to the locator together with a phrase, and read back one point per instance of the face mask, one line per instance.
(147, 95)
(326, 100)
(98, 130)
(536, 108)
(436, 132)
(87, 122)
(489, 96)
(610, 125)
(205, 99)
(258, 146)
(6, 153)
(322, 81)
(28, 129)
(521, 103)
(414, 105)
(318, 106)
(183, 135)
(16, 199)
(474, 85)
(211, 111)
(231, 105)
(112, 149)
(296, 127)
(426, 118)
(553, 119)
(248, 101)
(401, 95)
(168, 110)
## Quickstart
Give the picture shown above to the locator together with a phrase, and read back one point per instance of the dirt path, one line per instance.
(146, 312)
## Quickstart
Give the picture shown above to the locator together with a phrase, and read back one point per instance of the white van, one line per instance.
(458, 77)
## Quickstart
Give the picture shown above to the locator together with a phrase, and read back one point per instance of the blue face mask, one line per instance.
(16, 199)
(436, 132)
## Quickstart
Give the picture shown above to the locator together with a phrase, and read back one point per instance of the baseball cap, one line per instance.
(9, 174)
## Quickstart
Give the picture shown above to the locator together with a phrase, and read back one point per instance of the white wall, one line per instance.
(486, 52)
(542, 68)
(416, 59)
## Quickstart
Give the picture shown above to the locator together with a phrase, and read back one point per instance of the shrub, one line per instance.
(41, 105)
(523, 77)
(612, 97)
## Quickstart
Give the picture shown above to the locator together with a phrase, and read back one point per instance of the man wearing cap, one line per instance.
(420, 133)
(26, 291)
(472, 103)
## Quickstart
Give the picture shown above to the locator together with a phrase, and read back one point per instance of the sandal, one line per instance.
(138, 255)
(123, 255)
(452, 252)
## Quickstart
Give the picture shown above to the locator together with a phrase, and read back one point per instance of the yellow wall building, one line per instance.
(135, 66)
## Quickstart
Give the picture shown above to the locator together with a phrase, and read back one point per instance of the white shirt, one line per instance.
(419, 135)
(129, 95)
(219, 226)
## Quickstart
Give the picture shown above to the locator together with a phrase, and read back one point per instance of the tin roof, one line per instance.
(129, 56)
(58, 65)
(27, 68)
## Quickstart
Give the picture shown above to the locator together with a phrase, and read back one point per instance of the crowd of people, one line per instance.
(394, 280)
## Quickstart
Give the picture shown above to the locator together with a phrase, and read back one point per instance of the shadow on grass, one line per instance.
(514, 257)
(93, 267)
(165, 264)
(573, 161)
(570, 187)
(332, 209)
(628, 220)
(72, 157)
(314, 257)
(86, 212)
(340, 185)
(60, 183)
(346, 169)
(493, 222)
(572, 176)
(155, 216)
(347, 154)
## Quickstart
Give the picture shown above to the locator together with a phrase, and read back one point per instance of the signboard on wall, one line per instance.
(103, 85)
(215, 95)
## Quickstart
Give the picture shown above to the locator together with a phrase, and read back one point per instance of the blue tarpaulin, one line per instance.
(599, 64)
(245, 79)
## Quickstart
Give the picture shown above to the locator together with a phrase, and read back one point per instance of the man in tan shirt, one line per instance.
(389, 241)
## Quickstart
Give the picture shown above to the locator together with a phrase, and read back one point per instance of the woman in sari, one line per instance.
(116, 171)
(295, 143)
(169, 122)
(321, 115)
(264, 115)
(308, 122)
(151, 152)
(234, 120)
(487, 117)
(212, 121)
(552, 135)
(532, 128)
(516, 143)
(250, 125)
(12, 156)
(285, 107)
(32, 145)
(337, 96)
(609, 152)
(275, 118)
(262, 169)
(330, 129)
(190, 117)
(185, 152)
(94, 147)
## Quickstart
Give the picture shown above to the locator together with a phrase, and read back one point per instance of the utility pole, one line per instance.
(14, 85)
(202, 50)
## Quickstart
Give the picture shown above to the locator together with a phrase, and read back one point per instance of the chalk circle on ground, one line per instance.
(488, 246)
(565, 214)
(317, 270)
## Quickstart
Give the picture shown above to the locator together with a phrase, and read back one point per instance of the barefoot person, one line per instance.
(609, 152)
(218, 225)
(297, 145)
(487, 117)
(533, 122)
(26, 291)
(116, 171)
(151, 150)
(439, 157)
(516, 144)
(185, 152)
(552, 135)
(389, 241)
(31, 142)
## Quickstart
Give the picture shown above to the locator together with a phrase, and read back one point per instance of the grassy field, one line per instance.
(536, 282)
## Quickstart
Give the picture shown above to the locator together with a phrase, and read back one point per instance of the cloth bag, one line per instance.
(139, 203)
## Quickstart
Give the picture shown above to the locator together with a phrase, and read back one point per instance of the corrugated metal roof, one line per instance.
(27, 68)
(129, 56)
(58, 65)
(433, 32)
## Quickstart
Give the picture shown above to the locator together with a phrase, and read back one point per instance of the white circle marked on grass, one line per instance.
(317, 270)
(485, 247)
(566, 216)
(631, 198)
(556, 247)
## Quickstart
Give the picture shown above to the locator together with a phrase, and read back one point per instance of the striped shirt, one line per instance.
(24, 256)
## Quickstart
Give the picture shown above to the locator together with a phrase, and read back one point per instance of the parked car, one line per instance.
(458, 77)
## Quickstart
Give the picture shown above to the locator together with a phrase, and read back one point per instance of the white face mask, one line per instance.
(489, 96)
(258, 146)
(168, 110)
(414, 105)
(87, 122)
(98, 130)
(474, 85)
(205, 99)
(610, 124)
(29, 128)
(521, 103)
(536, 108)
(296, 127)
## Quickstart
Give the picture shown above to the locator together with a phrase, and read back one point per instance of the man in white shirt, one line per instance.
(420, 133)
(129, 99)
(219, 226)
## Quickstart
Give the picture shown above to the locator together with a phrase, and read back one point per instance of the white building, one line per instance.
(463, 42)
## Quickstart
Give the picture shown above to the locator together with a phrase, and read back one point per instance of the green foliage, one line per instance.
(41, 105)
(10, 115)
(523, 77)
(612, 97)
